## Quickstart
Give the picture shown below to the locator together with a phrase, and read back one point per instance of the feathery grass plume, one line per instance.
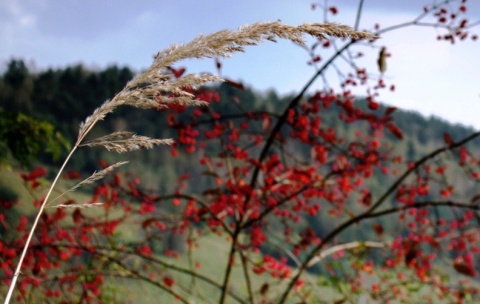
(75, 206)
(226, 42)
(143, 90)
(154, 88)
(122, 142)
(91, 179)
(98, 175)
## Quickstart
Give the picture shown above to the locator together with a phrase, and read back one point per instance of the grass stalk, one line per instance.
(34, 226)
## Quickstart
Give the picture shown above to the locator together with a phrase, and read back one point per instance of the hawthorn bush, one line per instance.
(283, 207)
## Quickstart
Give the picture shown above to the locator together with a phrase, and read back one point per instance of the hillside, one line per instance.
(66, 96)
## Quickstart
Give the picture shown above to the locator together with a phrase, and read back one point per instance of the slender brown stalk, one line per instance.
(248, 280)
(359, 14)
(228, 270)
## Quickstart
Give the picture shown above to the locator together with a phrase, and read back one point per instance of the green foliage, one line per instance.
(26, 138)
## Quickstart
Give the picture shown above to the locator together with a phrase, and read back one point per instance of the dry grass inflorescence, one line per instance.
(155, 89)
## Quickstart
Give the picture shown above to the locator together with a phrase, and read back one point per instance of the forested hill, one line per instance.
(66, 96)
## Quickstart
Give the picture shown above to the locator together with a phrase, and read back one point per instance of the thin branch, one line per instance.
(147, 279)
(248, 281)
(359, 14)
(151, 259)
(347, 246)
(416, 165)
(368, 213)
(200, 201)
(427, 204)
(230, 263)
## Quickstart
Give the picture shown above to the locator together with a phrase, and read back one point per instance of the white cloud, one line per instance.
(15, 19)
(17, 12)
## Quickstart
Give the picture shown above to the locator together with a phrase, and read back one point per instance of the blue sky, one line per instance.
(431, 77)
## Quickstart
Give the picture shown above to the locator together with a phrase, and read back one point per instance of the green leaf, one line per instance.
(26, 138)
